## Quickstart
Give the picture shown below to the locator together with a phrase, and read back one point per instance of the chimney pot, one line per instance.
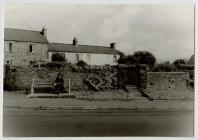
(44, 32)
(75, 41)
(113, 45)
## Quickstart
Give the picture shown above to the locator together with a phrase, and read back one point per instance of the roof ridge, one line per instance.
(59, 43)
(23, 29)
(62, 47)
(80, 45)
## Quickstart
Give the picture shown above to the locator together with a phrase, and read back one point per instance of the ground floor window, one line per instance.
(32, 62)
(77, 58)
(89, 56)
(114, 58)
(58, 57)
(30, 48)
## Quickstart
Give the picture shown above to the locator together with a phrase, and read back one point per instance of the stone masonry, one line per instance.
(167, 81)
(21, 77)
(20, 55)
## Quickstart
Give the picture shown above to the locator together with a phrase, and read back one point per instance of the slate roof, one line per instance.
(60, 47)
(24, 35)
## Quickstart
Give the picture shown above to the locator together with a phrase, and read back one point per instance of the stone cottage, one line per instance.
(25, 47)
(92, 55)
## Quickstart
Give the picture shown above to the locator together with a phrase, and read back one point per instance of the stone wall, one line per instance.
(167, 81)
(21, 77)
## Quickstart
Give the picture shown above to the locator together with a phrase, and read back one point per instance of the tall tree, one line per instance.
(129, 59)
(145, 57)
(139, 57)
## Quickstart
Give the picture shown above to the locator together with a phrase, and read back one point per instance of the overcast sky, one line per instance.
(165, 30)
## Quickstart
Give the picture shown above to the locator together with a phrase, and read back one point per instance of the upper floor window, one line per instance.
(10, 47)
(30, 48)
(114, 58)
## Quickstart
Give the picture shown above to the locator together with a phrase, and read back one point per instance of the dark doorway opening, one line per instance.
(128, 75)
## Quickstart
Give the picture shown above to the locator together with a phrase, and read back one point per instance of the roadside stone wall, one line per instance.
(168, 81)
(21, 77)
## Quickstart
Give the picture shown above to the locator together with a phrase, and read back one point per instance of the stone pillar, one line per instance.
(120, 76)
(143, 76)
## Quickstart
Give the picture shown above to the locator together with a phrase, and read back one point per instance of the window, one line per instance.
(89, 56)
(32, 62)
(58, 57)
(10, 47)
(30, 48)
(115, 58)
(77, 58)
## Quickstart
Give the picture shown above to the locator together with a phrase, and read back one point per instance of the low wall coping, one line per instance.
(167, 72)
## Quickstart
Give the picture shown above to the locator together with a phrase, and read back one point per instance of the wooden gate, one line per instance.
(128, 75)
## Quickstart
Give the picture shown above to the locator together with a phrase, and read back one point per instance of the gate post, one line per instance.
(143, 76)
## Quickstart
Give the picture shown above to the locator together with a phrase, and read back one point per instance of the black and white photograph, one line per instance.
(98, 70)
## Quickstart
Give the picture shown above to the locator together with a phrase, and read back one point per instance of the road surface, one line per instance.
(55, 123)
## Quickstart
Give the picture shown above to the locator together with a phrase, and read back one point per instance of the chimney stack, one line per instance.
(75, 41)
(44, 32)
(113, 45)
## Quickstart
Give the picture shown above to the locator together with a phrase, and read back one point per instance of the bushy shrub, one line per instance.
(139, 57)
(75, 68)
(185, 67)
(164, 67)
(52, 65)
(81, 63)
(181, 65)
(127, 60)
(145, 57)
(179, 61)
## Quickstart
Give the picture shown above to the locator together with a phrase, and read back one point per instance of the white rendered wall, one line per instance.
(91, 59)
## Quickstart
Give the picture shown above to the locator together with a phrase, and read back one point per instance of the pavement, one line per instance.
(19, 100)
(48, 95)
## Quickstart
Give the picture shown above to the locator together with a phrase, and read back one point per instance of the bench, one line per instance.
(41, 86)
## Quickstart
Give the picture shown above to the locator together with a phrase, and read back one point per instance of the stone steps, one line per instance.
(135, 91)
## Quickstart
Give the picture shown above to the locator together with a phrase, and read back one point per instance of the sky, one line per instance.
(167, 31)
